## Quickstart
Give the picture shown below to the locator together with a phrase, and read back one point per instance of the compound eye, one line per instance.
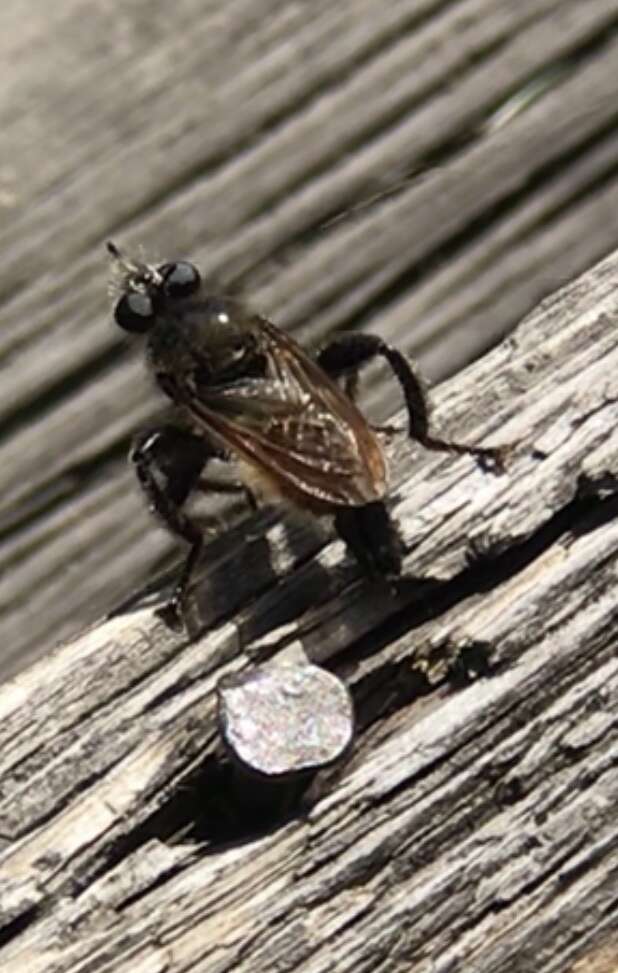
(134, 312)
(180, 279)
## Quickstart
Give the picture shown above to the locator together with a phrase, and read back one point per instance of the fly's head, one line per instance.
(193, 338)
(149, 296)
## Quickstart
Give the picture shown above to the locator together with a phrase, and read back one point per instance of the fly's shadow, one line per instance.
(266, 556)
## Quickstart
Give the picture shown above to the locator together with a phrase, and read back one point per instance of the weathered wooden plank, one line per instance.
(236, 138)
(472, 828)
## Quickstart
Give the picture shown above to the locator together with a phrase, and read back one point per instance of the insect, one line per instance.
(245, 391)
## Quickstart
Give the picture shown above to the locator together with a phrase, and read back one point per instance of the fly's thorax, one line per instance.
(213, 340)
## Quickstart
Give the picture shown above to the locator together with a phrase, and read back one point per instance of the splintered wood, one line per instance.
(472, 827)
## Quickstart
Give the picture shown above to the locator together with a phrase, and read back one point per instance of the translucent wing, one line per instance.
(296, 427)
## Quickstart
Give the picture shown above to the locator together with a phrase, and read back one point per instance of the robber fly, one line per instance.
(245, 391)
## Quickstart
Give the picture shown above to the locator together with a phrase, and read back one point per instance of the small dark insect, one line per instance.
(245, 391)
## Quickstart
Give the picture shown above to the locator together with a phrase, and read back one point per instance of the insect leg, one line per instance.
(168, 462)
(372, 537)
(347, 353)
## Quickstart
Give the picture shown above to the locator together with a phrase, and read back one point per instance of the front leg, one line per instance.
(347, 353)
(169, 461)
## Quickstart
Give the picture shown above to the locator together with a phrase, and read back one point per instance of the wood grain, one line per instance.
(471, 828)
(470, 146)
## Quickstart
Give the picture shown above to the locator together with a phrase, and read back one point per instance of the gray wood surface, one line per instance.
(470, 145)
(471, 828)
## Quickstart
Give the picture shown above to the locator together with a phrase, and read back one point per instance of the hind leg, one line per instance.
(347, 353)
(372, 537)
